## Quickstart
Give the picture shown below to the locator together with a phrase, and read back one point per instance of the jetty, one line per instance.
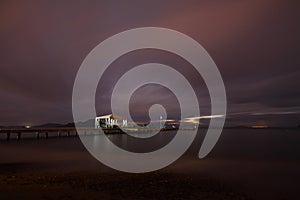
(54, 132)
(67, 132)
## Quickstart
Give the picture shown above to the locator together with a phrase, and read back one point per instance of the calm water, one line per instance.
(264, 163)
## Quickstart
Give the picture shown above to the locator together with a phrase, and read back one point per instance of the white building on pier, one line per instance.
(110, 121)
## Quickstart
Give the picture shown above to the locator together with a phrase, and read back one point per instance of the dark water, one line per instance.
(263, 163)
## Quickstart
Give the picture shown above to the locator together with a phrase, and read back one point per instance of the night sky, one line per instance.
(255, 45)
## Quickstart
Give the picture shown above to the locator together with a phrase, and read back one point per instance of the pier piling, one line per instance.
(8, 136)
(19, 136)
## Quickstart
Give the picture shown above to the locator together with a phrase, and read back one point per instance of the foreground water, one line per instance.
(262, 163)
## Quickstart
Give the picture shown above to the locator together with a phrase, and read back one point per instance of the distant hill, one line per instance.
(88, 123)
(48, 125)
(71, 124)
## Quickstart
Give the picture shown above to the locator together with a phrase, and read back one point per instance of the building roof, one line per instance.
(111, 116)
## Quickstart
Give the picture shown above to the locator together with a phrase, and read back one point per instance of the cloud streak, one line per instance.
(254, 43)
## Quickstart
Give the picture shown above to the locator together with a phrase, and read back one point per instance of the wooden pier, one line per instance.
(59, 132)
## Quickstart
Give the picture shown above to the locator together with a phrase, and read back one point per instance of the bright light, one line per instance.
(205, 117)
(259, 126)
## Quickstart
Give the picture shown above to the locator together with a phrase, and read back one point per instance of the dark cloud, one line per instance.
(255, 44)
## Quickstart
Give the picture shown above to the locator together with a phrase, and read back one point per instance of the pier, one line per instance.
(54, 132)
(67, 132)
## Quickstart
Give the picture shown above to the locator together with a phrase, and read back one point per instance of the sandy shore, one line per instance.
(95, 185)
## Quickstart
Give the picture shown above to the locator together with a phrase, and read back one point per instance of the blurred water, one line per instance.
(263, 162)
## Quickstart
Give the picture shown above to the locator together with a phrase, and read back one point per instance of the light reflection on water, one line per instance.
(233, 143)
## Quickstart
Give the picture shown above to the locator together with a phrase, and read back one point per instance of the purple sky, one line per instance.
(255, 44)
